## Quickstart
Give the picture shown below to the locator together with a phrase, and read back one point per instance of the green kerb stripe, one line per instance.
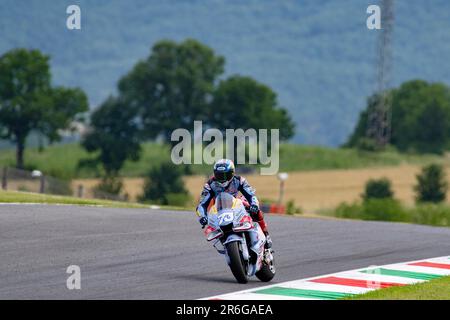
(280, 291)
(404, 274)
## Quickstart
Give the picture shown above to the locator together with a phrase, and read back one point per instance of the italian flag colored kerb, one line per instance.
(348, 283)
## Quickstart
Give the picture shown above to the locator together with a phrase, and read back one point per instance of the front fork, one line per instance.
(237, 238)
(257, 239)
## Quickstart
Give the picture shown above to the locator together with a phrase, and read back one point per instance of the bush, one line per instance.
(109, 188)
(384, 210)
(431, 214)
(367, 144)
(392, 210)
(164, 184)
(378, 189)
(292, 209)
(431, 184)
(349, 211)
(178, 199)
(373, 209)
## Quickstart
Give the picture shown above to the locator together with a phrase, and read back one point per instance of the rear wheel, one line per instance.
(267, 271)
(237, 263)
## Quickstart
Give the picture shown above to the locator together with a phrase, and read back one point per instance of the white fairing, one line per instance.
(258, 239)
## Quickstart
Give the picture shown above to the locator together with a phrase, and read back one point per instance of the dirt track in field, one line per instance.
(311, 190)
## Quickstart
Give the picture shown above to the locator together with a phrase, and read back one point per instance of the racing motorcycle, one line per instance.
(236, 236)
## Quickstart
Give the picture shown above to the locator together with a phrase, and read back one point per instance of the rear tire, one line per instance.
(267, 272)
(236, 262)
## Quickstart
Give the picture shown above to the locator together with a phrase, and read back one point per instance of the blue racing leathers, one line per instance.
(213, 188)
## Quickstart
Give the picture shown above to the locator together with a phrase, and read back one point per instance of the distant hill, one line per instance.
(317, 54)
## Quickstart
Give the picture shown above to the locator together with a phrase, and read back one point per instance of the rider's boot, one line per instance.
(268, 244)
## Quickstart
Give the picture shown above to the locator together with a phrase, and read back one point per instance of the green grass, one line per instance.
(437, 289)
(298, 157)
(393, 210)
(27, 197)
(62, 160)
(59, 160)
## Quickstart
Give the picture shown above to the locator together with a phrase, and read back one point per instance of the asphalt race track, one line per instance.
(152, 254)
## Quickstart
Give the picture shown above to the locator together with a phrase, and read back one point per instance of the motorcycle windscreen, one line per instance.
(224, 201)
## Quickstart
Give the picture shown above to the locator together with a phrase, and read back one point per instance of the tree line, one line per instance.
(379, 201)
(420, 118)
(177, 83)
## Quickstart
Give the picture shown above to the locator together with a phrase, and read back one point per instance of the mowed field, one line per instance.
(310, 190)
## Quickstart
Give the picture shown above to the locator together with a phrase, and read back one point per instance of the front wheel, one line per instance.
(237, 262)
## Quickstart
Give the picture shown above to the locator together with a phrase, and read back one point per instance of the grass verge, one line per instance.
(27, 197)
(61, 160)
(437, 289)
(394, 211)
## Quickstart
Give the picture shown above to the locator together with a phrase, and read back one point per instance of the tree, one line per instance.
(29, 103)
(412, 107)
(114, 134)
(358, 138)
(173, 86)
(420, 117)
(378, 189)
(435, 121)
(177, 84)
(242, 102)
(431, 185)
(165, 183)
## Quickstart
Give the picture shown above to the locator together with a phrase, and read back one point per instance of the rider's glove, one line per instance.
(254, 209)
(203, 221)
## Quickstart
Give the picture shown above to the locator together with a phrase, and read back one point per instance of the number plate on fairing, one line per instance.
(226, 218)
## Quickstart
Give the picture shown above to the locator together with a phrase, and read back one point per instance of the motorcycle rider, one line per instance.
(224, 180)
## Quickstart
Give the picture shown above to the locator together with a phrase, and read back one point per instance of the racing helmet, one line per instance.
(224, 171)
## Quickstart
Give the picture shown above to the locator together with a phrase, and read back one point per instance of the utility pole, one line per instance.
(282, 176)
(379, 117)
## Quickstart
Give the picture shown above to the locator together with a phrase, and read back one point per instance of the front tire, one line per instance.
(236, 262)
